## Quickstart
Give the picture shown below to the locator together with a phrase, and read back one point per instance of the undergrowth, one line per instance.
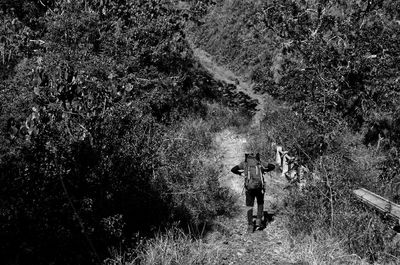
(172, 247)
(188, 180)
(326, 210)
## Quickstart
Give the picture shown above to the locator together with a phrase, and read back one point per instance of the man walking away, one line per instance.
(253, 170)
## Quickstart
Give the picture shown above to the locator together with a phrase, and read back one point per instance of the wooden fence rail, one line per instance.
(378, 202)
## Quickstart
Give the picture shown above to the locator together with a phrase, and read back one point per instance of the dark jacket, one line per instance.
(238, 169)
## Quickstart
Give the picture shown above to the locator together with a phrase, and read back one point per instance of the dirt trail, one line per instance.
(272, 245)
(225, 75)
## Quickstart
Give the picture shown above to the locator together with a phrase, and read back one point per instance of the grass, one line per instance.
(320, 248)
(172, 247)
(234, 39)
(176, 247)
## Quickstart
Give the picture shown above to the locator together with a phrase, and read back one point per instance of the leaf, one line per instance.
(36, 90)
(128, 87)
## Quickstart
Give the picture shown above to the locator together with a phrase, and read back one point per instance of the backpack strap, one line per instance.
(261, 176)
(247, 174)
(258, 169)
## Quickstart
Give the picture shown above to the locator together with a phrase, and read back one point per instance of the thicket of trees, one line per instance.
(101, 128)
(337, 64)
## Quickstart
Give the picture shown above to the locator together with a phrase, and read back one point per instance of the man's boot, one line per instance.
(260, 211)
(250, 226)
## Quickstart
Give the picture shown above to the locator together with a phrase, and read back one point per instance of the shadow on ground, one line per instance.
(268, 217)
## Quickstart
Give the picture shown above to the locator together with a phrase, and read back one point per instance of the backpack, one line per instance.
(252, 170)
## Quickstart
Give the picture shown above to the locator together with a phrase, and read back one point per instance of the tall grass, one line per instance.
(177, 247)
(321, 248)
(171, 247)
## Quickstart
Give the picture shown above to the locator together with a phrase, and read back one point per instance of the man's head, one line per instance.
(251, 155)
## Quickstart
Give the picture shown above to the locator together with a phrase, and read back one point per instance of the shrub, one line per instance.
(129, 174)
(96, 91)
(331, 205)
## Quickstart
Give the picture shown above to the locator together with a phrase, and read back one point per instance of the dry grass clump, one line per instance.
(320, 248)
(176, 247)
(172, 247)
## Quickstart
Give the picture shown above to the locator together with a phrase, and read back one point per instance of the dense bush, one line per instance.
(103, 134)
(132, 174)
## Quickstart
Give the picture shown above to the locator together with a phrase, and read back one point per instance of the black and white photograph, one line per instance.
(199, 132)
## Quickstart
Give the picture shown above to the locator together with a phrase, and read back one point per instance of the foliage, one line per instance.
(318, 55)
(93, 94)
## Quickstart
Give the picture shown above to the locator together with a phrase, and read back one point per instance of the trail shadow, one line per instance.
(267, 218)
(396, 228)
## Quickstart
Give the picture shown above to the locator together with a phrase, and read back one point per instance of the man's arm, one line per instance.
(237, 170)
(268, 168)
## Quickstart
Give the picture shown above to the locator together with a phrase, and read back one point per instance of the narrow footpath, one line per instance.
(227, 76)
(269, 246)
(273, 245)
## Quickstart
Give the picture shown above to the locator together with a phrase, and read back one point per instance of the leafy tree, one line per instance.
(90, 91)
